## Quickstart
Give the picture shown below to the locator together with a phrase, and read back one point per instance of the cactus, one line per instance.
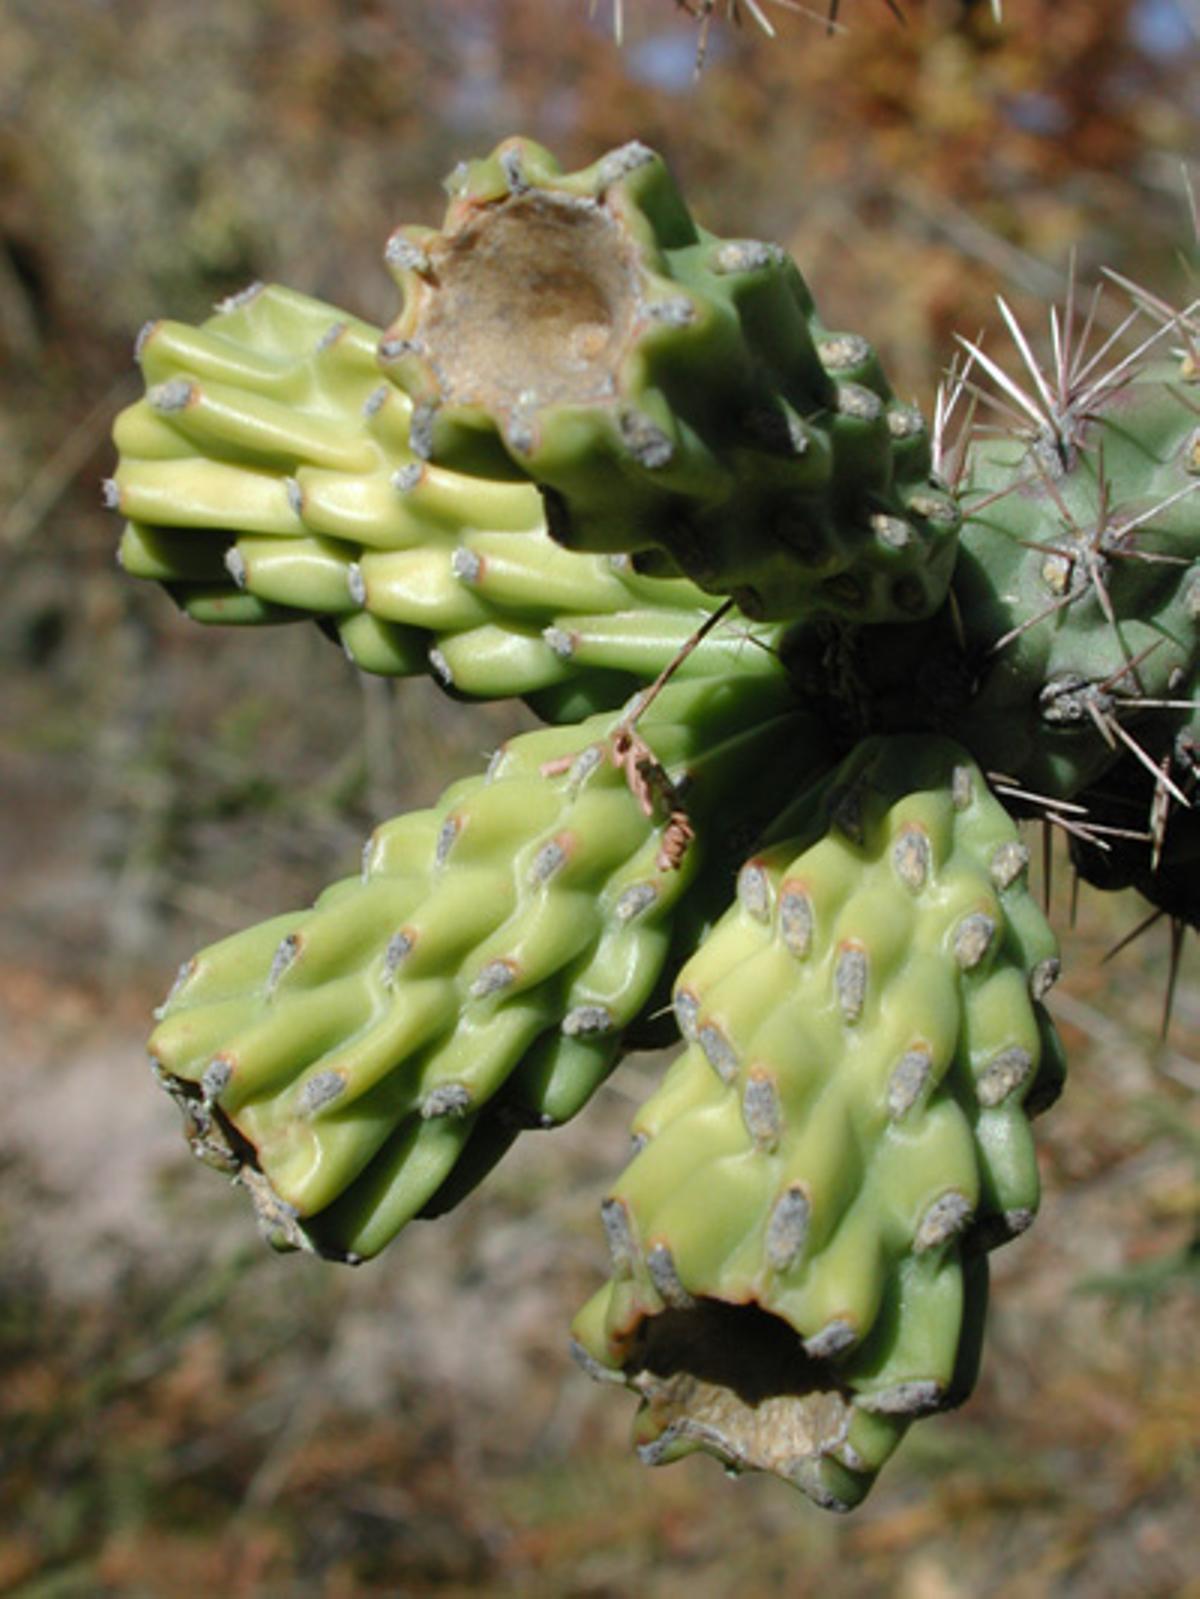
(267, 477)
(843, 1136)
(1069, 638)
(672, 394)
(480, 974)
(590, 420)
(1077, 585)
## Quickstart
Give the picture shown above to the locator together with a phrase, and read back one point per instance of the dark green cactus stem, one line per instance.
(673, 394)
(480, 975)
(1077, 587)
(795, 1246)
(1070, 639)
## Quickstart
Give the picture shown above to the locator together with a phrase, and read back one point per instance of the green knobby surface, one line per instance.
(1076, 585)
(480, 974)
(1068, 646)
(267, 477)
(795, 1246)
(673, 394)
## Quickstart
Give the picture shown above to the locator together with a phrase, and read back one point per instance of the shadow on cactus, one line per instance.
(804, 661)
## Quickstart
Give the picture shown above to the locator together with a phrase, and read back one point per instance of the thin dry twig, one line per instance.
(703, 12)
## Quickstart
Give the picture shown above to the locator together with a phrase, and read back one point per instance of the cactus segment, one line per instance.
(480, 975)
(795, 1243)
(1077, 584)
(1068, 646)
(671, 393)
(267, 476)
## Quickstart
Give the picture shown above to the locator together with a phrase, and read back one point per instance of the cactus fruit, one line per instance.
(795, 1245)
(672, 393)
(589, 417)
(267, 477)
(479, 976)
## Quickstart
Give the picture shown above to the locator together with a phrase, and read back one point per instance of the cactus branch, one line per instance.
(592, 431)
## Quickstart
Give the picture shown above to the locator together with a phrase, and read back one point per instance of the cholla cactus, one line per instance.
(805, 657)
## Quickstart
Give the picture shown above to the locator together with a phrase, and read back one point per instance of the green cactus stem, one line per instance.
(1077, 586)
(1070, 638)
(480, 975)
(673, 394)
(267, 477)
(796, 1245)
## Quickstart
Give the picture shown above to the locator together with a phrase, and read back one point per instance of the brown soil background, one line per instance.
(182, 1413)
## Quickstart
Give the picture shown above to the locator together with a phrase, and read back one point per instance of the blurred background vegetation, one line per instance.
(181, 1413)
